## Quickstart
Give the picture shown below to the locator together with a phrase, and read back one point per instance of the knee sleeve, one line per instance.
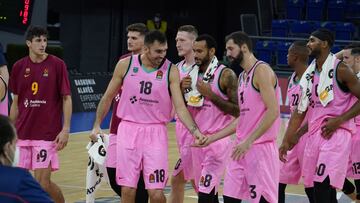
(323, 192)
(357, 184)
(112, 178)
(282, 188)
(141, 194)
(207, 198)
(348, 187)
(231, 200)
(310, 194)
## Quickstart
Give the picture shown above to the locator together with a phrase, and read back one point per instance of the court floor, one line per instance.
(73, 164)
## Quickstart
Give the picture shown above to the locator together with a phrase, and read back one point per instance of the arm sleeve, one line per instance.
(31, 191)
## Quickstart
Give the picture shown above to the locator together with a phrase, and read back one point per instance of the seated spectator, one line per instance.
(16, 184)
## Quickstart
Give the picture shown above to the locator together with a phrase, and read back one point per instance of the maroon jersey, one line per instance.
(40, 88)
(115, 121)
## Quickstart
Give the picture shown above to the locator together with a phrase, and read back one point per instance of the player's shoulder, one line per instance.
(55, 59)
(21, 62)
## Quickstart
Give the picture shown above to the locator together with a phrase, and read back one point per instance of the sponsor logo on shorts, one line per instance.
(151, 178)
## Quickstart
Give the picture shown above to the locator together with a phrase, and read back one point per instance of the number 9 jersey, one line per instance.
(40, 88)
(145, 94)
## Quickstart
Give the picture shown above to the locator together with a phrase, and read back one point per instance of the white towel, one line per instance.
(325, 88)
(193, 96)
(96, 170)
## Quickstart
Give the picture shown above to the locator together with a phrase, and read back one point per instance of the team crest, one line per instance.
(46, 72)
(202, 180)
(159, 75)
(27, 72)
(151, 178)
(135, 69)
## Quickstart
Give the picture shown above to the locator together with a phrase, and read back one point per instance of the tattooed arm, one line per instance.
(228, 84)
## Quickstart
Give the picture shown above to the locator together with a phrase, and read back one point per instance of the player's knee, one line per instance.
(348, 187)
(45, 184)
(128, 192)
(156, 195)
(231, 200)
(177, 181)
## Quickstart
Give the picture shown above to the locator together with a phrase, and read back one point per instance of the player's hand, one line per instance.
(185, 83)
(94, 134)
(204, 88)
(61, 140)
(330, 126)
(284, 148)
(240, 150)
(199, 137)
(205, 142)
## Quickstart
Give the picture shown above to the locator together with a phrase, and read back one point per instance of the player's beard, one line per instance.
(315, 53)
(237, 60)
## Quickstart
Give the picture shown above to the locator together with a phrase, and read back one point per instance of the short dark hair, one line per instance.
(36, 31)
(137, 27)
(7, 132)
(210, 41)
(153, 36)
(240, 38)
(355, 51)
(190, 29)
(300, 48)
(352, 45)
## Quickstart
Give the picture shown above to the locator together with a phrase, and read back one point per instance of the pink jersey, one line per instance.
(145, 94)
(40, 88)
(4, 105)
(253, 109)
(357, 118)
(317, 113)
(209, 117)
(293, 94)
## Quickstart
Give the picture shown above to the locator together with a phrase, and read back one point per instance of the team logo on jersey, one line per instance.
(202, 180)
(135, 69)
(133, 99)
(26, 103)
(27, 72)
(159, 75)
(151, 178)
(46, 72)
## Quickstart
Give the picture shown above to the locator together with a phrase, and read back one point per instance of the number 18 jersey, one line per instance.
(145, 94)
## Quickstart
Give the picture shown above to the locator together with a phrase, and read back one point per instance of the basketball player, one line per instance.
(327, 89)
(218, 110)
(147, 81)
(41, 109)
(253, 170)
(350, 56)
(183, 170)
(135, 42)
(290, 170)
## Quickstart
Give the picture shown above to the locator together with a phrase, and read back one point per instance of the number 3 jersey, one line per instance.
(145, 94)
(253, 109)
(40, 88)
